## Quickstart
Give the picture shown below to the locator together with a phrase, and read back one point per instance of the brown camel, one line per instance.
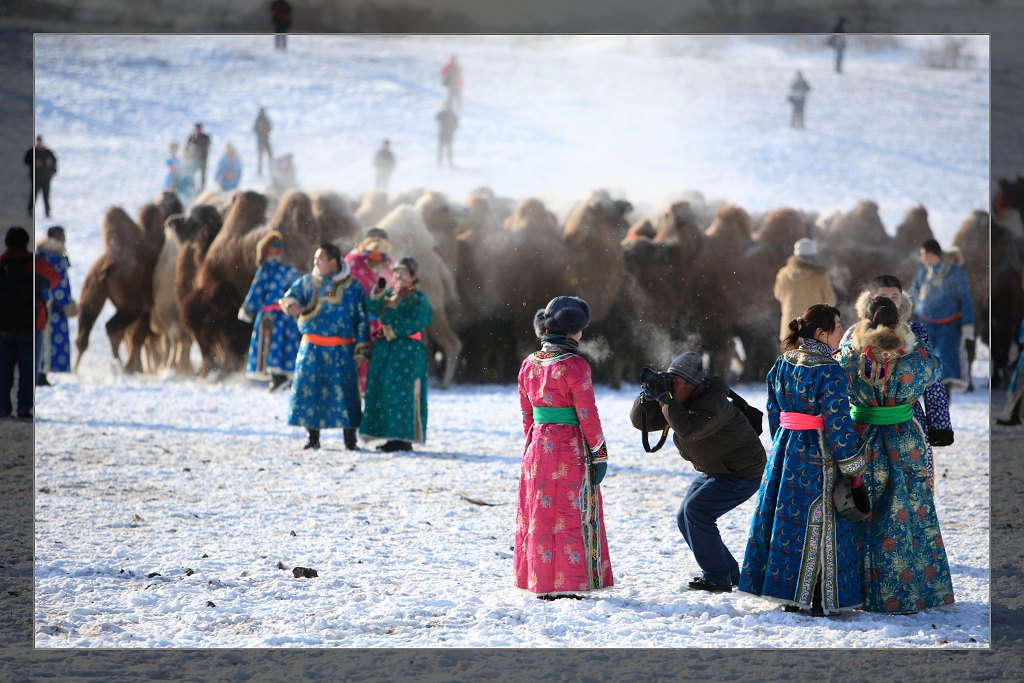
(973, 241)
(210, 310)
(123, 273)
(337, 224)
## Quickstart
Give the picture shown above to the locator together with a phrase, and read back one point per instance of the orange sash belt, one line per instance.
(270, 307)
(418, 336)
(800, 420)
(321, 340)
(942, 321)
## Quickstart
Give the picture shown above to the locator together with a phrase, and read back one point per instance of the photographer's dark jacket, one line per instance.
(709, 431)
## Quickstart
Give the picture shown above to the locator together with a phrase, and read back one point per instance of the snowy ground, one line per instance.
(206, 486)
(136, 476)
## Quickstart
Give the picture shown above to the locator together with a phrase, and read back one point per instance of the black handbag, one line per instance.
(851, 503)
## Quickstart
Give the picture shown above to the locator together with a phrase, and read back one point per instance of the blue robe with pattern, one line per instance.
(942, 301)
(275, 335)
(797, 539)
(325, 393)
(902, 557)
(55, 354)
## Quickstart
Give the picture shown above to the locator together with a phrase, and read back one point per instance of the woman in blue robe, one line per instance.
(332, 320)
(801, 552)
(275, 336)
(902, 558)
(55, 354)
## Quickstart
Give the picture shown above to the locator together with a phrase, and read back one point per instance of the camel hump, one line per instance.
(119, 230)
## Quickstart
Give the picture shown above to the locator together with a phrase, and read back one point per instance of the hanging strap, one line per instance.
(643, 431)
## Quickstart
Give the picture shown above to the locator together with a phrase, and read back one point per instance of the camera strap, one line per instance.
(643, 432)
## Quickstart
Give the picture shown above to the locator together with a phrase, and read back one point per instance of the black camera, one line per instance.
(655, 384)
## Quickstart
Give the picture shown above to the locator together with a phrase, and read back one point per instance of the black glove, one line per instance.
(600, 469)
(940, 437)
(969, 347)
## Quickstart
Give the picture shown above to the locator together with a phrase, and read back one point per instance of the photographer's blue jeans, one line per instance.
(708, 499)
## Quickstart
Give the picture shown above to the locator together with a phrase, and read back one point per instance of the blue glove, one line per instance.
(600, 468)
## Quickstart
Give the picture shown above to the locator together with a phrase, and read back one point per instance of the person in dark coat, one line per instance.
(798, 90)
(22, 317)
(262, 129)
(42, 166)
(837, 41)
(281, 16)
(197, 148)
(715, 437)
(447, 122)
(384, 162)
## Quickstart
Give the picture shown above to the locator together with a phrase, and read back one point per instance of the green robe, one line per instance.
(396, 386)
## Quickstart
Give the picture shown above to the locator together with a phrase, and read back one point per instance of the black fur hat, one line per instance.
(562, 315)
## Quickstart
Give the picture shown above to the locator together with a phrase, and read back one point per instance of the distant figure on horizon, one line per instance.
(197, 150)
(262, 129)
(837, 41)
(180, 175)
(384, 162)
(447, 122)
(452, 77)
(281, 16)
(798, 90)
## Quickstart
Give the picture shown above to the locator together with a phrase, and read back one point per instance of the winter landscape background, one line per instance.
(139, 476)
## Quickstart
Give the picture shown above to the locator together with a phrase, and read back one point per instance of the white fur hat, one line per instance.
(805, 248)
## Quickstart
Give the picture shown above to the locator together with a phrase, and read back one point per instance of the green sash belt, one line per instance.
(882, 415)
(560, 416)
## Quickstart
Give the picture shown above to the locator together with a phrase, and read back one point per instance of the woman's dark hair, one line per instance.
(817, 317)
(882, 312)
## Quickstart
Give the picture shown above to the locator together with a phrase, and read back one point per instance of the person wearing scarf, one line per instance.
(800, 551)
(902, 558)
(560, 543)
(396, 384)
(328, 303)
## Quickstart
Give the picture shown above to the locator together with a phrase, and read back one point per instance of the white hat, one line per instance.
(806, 248)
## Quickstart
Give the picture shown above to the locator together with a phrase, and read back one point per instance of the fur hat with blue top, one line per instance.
(563, 315)
(689, 366)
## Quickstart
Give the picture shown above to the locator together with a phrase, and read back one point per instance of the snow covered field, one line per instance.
(202, 485)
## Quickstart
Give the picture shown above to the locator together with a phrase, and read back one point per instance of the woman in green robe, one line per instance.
(396, 386)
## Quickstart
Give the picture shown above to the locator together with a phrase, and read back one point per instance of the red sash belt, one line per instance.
(418, 336)
(942, 321)
(270, 307)
(801, 420)
(321, 340)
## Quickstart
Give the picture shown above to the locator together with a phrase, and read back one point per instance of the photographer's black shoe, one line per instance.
(276, 382)
(701, 584)
(314, 440)
(350, 440)
(1008, 423)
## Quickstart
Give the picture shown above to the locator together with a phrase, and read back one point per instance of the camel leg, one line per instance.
(442, 333)
(137, 340)
(116, 328)
(93, 296)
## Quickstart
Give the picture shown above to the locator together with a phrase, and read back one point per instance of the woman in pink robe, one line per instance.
(560, 536)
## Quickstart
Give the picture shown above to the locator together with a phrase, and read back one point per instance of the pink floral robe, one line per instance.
(366, 267)
(560, 536)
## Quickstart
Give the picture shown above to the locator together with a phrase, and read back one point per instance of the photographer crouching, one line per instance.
(717, 439)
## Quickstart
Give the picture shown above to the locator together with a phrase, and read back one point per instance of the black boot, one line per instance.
(276, 381)
(314, 439)
(395, 445)
(350, 439)
(41, 380)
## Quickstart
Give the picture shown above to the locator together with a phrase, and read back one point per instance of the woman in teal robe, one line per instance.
(396, 385)
(902, 558)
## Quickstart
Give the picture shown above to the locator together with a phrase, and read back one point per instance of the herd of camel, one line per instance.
(697, 276)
